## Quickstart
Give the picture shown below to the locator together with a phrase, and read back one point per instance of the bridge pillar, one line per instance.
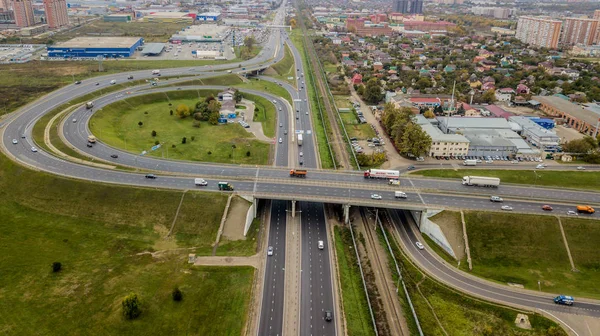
(347, 213)
(293, 209)
(255, 203)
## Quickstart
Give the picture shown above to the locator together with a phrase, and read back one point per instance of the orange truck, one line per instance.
(298, 172)
(586, 209)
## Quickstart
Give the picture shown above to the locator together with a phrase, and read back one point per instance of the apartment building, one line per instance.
(56, 13)
(23, 12)
(578, 31)
(539, 31)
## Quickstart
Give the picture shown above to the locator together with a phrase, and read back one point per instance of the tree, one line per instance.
(423, 83)
(429, 114)
(579, 146)
(360, 89)
(56, 266)
(171, 112)
(372, 92)
(461, 109)
(208, 99)
(131, 306)
(177, 294)
(182, 111)
(214, 118)
(415, 141)
(489, 96)
(237, 96)
(140, 124)
(248, 153)
(293, 23)
(183, 140)
(214, 106)
(249, 42)
(153, 133)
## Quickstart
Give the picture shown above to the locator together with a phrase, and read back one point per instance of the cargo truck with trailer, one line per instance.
(382, 173)
(298, 173)
(481, 181)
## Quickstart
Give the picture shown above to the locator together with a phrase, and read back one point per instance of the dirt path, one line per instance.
(253, 261)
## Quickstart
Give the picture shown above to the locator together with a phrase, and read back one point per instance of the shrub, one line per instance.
(156, 142)
(131, 306)
(146, 112)
(173, 146)
(140, 124)
(209, 153)
(183, 140)
(56, 266)
(177, 294)
(248, 153)
(192, 138)
(171, 112)
(153, 133)
(196, 123)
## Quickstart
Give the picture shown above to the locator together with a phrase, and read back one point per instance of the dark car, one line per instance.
(97, 83)
(410, 168)
(150, 176)
(328, 316)
(78, 82)
(89, 144)
(114, 156)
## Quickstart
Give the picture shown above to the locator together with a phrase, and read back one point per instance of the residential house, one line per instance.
(504, 94)
(357, 79)
(522, 89)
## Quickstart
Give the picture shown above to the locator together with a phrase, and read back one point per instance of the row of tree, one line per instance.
(409, 138)
(588, 148)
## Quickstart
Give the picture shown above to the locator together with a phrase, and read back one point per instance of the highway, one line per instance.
(476, 286)
(271, 317)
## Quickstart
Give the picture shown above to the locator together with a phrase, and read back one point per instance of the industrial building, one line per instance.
(209, 17)
(583, 120)
(489, 142)
(153, 49)
(175, 17)
(92, 47)
(536, 134)
(201, 33)
(456, 124)
(117, 18)
(442, 144)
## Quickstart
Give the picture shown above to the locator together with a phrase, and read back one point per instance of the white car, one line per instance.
(540, 166)
(321, 245)
(419, 245)
(15, 141)
(580, 168)
(506, 207)
(270, 251)
(306, 112)
(301, 154)
(74, 120)
(375, 196)
(489, 161)
(280, 140)
(33, 149)
(572, 213)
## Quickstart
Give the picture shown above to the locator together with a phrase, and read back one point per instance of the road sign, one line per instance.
(299, 131)
(155, 147)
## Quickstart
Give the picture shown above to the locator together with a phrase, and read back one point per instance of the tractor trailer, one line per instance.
(382, 173)
(299, 139)
(481, 181)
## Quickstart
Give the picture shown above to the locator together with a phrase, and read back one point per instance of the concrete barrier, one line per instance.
(434, 231)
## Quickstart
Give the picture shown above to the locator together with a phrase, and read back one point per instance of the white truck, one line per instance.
(299, 139)
(382, 173)
(89, 105)
(481, 181)
(156, 72)
(91, 139)
(200, 182)
(470, 163)
(400, 194)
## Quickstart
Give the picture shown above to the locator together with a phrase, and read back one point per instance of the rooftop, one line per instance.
(487, 138)
(99, 42)
(572, 109)
(153, 48)
(465, 123)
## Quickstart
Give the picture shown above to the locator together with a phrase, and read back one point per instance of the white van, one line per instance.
(200, 182)
(113, 82)
(400, 194)
(321, 245)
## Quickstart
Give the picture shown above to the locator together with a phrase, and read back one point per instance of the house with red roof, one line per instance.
(522, 89)
(357, 79)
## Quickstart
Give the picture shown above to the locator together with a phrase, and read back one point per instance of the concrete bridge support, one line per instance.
(346, 213)
(293, 209)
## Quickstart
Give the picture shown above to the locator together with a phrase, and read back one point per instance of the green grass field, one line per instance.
(358, 320)
(117, 125)
(458, 314)
(567, 179)
(97, 232)
(354, 129)
(285, 68)
(525, 249)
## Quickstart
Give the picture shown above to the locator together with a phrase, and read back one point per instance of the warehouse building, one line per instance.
(153, 49)
(209, 17)
(455, 124)
(489, 142)
(92, 47)
(536, 134)
(578, 117)
(173, 17)
(442, 144)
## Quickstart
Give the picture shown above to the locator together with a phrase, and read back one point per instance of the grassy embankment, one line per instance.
(117, 125)
(567, 179)
(356, 311)
(320, 125)
(458, 314)
(525, 249)
(98, 233)
(285, 68)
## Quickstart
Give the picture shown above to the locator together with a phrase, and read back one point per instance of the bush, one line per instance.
(140, 124)
(153, 133)
(131, 306)
(56, 266)
(171, 112)
(156, 142)
(196, 123)
(192, 138)
(177, 294)
(248, 153)
(146, 112)
(173, 146)
(209, 153)
(183, 140)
